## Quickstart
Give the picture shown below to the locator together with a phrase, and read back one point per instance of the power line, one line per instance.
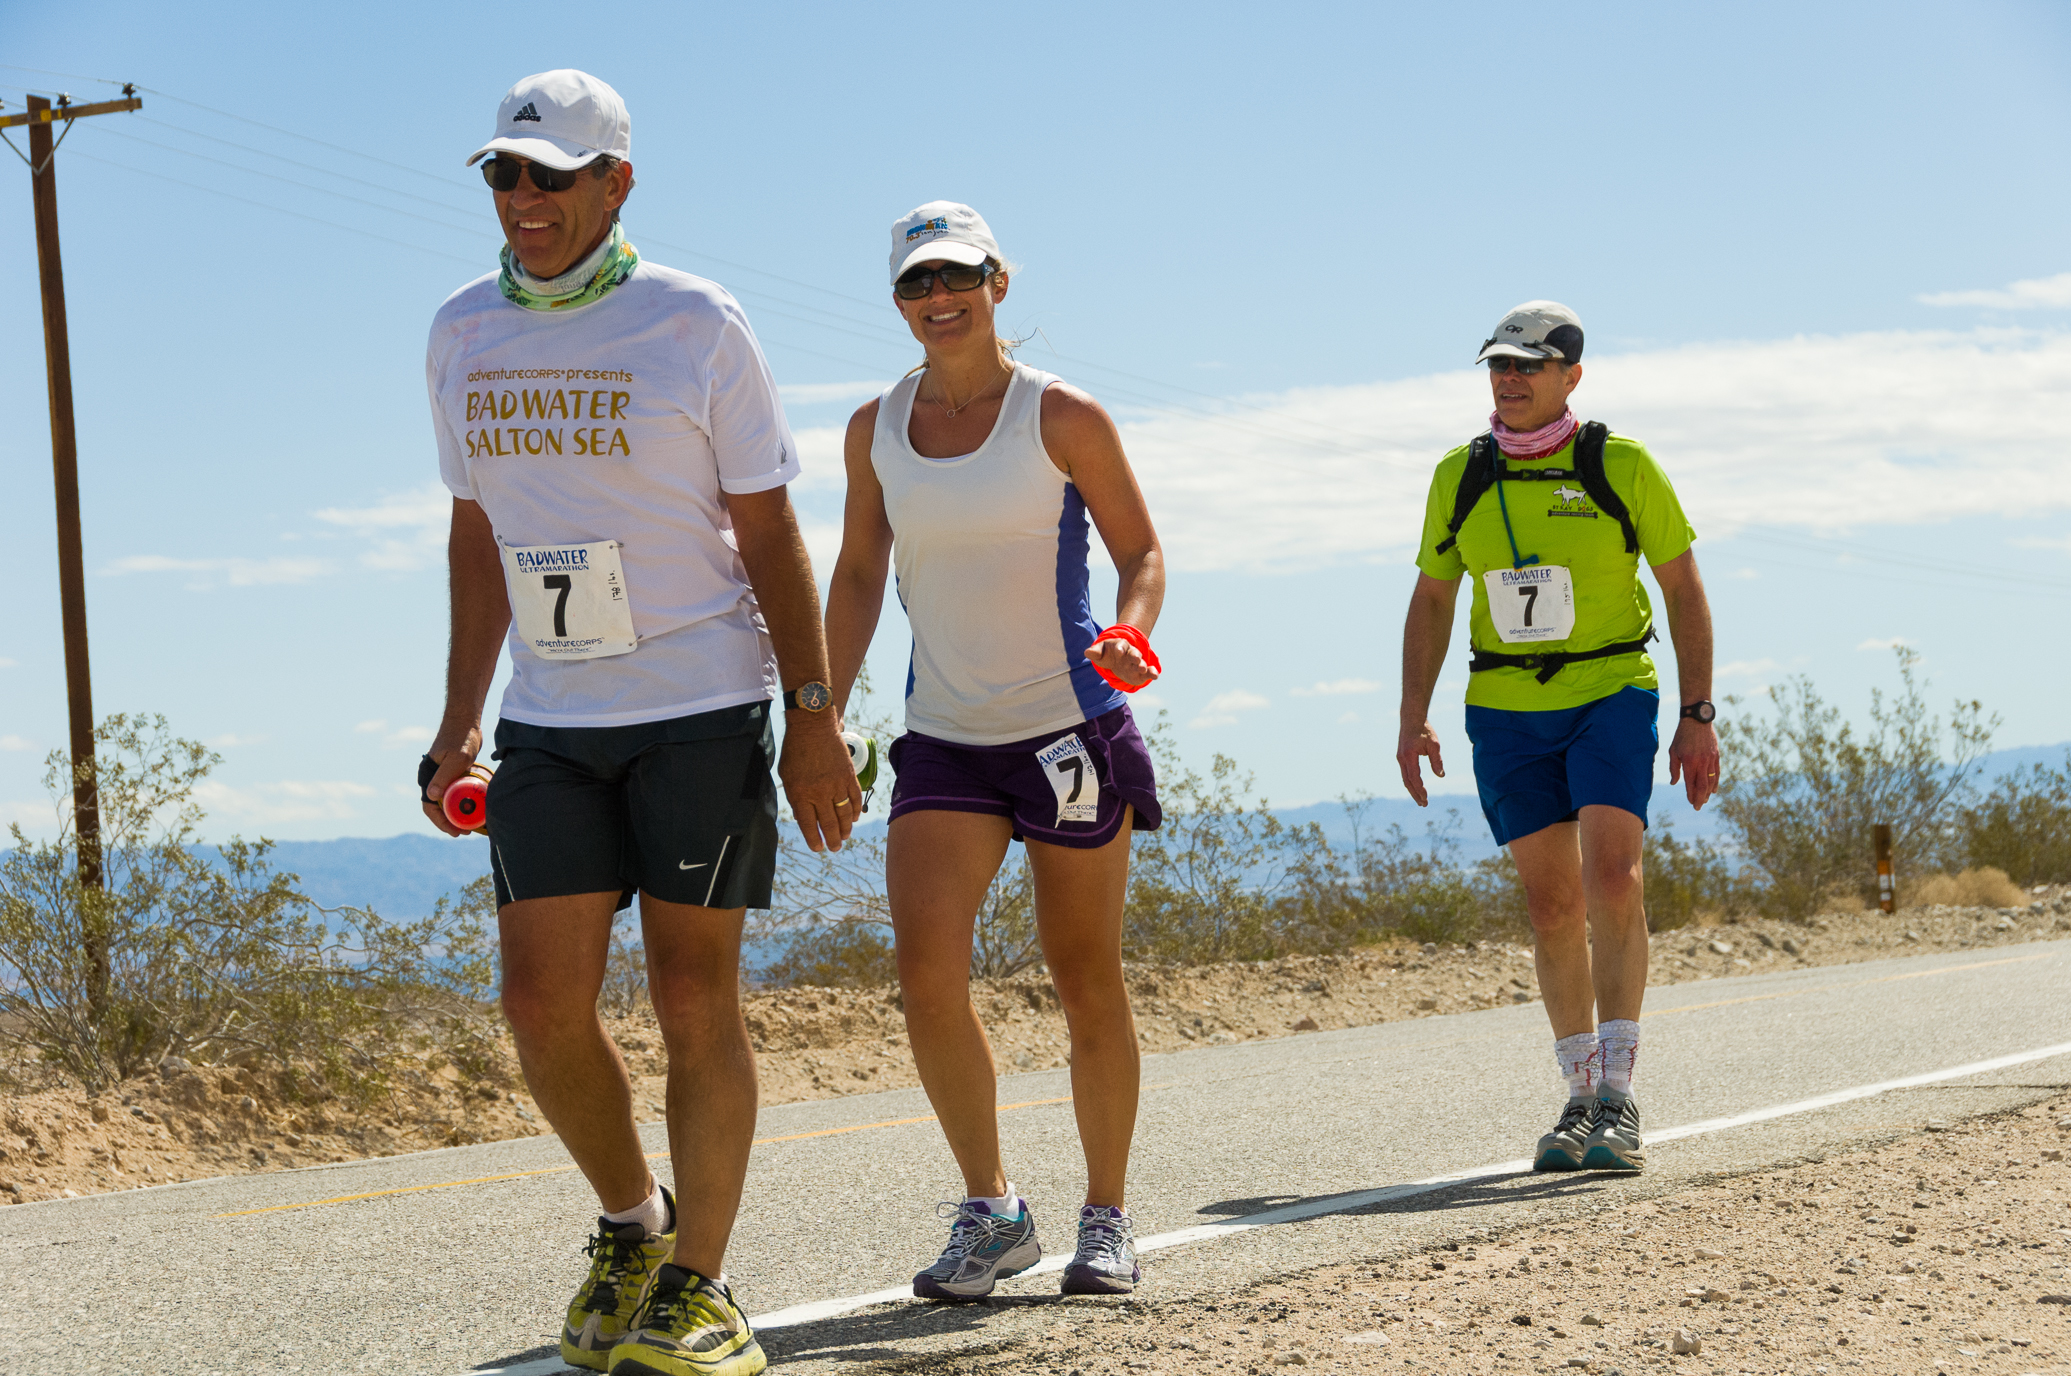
(310, 167)
(274, 128)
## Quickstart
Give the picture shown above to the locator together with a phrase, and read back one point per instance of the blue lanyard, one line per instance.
(1517, 561)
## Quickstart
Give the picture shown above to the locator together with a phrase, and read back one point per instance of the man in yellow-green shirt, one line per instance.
(1551, 518)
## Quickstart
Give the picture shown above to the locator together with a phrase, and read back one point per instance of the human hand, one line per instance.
(454, 753)
(1693, 757)
(1414, 743)
(819, 779)
(1122, 659)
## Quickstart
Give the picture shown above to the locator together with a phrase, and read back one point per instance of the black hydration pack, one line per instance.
(1480, 476)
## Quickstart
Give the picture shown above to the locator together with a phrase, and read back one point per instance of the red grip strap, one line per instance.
(1122, 630)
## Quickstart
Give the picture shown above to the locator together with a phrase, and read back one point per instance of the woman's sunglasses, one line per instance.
(919, 283)
(1528, 366)
(502, 174)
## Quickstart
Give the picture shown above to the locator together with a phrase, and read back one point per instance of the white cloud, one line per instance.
(1747, 668)
(1889, 643)
(1339, 686)
(238, 572)
(8, 663)
(401, 735)
(1819, 433)
(827, 393)
(290, 800)
(2062, 542)
(820, 463)
(15, 743)
(229, 739)
(1348, 718)
(2044, 293)
(405, 532)
(1222, 709)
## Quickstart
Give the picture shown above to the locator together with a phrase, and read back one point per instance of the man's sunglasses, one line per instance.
(502, 174)
(1504, 364)
(918, 284)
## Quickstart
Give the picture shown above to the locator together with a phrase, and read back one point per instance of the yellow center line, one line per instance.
(1856, 984)
(561, 1170)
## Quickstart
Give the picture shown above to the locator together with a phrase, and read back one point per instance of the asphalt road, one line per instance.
(461, 1260)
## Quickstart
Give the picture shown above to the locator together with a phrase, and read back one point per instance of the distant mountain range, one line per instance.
(403, 876)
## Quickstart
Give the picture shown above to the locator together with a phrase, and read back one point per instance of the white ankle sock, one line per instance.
(651, 1213)
(1581, 1063)
(1620, 1038)
(1007, 1205)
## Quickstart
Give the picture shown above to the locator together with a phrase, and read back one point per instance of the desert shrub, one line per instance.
(2023, 826)
(1687, 879)
(1387, 883)
(218, 963)
(1801, 790)
(1979, 888)
(846, 955)
(625, 968)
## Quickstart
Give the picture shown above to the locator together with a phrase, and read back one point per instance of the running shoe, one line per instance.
(1614, 1134)
(1105, 1263)
(689, 1326)
(623, 1262)
(1562, 1149)
(984, 1249)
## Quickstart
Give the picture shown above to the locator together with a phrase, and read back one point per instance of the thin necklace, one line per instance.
(949, 412)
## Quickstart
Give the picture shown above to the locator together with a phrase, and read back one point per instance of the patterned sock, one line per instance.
(651, 1213)
(1581, 1063)
(1621, 1042)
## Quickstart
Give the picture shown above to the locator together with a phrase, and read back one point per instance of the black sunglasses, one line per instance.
(919, 283)
(502, 174)
(1503, 363)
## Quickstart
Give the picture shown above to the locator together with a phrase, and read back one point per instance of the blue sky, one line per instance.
(1819, 251)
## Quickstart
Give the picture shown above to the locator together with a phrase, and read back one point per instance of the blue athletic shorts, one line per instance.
(1537, 768)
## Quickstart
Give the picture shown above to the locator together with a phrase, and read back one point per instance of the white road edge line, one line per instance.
(1313, 1208)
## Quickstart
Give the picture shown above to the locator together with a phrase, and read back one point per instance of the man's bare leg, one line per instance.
(553, 968)
(694, 981)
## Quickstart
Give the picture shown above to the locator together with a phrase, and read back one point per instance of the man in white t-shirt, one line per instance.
(618, 459)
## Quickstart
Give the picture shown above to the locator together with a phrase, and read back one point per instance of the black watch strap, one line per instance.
(1700, 710)
(809, 697)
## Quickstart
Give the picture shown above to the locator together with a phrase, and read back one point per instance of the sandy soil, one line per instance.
(1933, 1252)
(820, 1043)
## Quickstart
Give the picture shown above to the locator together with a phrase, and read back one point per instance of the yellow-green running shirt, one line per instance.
(1560, 524)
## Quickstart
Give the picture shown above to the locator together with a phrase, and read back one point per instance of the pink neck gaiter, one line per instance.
(1534, 444)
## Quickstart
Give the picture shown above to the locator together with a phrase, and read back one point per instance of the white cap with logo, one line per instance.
(562, 118)
(941, 230)
(1537, 329)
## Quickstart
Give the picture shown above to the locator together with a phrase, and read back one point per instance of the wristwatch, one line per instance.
(1700, 711)
(809, 697)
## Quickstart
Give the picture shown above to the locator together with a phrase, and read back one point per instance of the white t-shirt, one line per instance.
(623, 420)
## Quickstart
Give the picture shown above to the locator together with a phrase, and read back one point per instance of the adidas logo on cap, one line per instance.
(530, 112)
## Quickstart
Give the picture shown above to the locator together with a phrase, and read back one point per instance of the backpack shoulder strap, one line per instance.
(1476, 479)
(1589, 468)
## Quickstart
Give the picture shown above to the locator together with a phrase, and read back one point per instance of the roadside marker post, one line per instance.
(1887, 891)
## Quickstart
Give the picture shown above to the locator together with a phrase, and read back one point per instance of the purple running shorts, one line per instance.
(1069, 787)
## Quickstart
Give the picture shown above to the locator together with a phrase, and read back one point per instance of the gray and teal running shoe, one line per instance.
(1563, 1148)
(1614, 1134)
(1105, 1263)
(984, 1249)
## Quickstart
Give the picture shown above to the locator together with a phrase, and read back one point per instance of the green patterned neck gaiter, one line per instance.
(611, 264)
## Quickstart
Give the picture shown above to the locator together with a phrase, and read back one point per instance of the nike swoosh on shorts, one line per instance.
(698, 866)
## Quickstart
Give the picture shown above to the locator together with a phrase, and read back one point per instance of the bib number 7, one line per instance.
(1536, 603)
(1069, 769)
(569, 601)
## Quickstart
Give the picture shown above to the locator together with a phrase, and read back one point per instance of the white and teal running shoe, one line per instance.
(1614, 1134)
(1563, 1148)
(984, 1249)
(1105, 1263)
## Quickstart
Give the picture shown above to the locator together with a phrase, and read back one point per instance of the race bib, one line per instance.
(1069, 769)
(569, 601)
(1537, 603)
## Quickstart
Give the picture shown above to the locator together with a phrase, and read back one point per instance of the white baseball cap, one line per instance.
(1537, 329)
(563, 118)
(941, 230)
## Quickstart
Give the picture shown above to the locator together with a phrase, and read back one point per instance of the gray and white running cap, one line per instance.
(941, 230)
(562, 118)
(1537, 329)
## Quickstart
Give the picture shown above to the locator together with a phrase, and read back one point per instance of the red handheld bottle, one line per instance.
(466, 799)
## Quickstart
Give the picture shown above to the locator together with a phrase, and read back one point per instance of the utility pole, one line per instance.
(64, 454)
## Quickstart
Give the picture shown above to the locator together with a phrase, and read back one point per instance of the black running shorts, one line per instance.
(683, 809)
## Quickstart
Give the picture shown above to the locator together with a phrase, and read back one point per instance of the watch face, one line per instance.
(815, 697)
(1702, 711)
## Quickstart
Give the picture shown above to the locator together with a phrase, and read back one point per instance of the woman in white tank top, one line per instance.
(976, 477)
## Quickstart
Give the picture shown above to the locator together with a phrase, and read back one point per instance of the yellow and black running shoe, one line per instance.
(689, 1326)
(624, 1259)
